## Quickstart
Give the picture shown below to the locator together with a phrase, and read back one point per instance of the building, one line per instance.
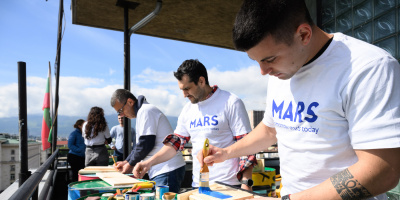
(61, 144)
(255, 117)
(9, 159)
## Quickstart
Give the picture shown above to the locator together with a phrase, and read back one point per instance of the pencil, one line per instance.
(113, 158)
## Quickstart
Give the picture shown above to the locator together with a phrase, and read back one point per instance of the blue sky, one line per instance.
(92, 63)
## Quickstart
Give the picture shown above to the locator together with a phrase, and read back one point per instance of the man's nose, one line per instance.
(185, 94)
(265, 69)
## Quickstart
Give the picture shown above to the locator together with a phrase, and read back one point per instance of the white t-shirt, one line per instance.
(346, 99)
(99, 139)
(219, 118)
(151, 121)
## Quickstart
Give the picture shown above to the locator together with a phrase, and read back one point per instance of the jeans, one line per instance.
(120, 156)
(173, 179)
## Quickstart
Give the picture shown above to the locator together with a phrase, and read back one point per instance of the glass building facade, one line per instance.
(374, 21)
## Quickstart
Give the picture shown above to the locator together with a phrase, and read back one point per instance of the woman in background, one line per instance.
(76, 154)
(96, 134)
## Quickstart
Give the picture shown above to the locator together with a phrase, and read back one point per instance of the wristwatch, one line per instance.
(248, 182)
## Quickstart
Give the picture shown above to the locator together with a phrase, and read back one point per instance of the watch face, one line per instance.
(250, 182)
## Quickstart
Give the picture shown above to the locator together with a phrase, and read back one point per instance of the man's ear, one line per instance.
(131, 102)
(304, 33)
(202, 81)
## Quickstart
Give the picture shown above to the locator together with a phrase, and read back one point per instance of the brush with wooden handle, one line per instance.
(204, 177)
(204, 172)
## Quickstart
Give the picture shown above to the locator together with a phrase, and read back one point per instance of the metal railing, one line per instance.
(28, 188)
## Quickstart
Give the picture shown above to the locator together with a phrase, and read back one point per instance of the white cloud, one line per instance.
(79, 94)
(151, 76)
(9, 100)
(247, 83)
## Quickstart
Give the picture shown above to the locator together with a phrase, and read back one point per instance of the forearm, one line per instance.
(257, 140)
(143, 148)
(129, 157)
(372, 175)
(247, 173)
(166, 152)
(340, 186)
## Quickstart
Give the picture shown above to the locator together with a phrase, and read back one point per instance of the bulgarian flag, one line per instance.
(46, 123)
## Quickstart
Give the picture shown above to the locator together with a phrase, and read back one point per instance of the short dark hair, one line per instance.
(194, 69)
(258, 19)
(78, 123)
(121, 95)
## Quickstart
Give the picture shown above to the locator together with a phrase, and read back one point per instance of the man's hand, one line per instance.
(215, 155)
(127, 168)
(119, 165)
(113, 147)
(141, 168)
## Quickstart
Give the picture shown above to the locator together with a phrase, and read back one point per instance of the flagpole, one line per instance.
(58, 58)
(51, 95)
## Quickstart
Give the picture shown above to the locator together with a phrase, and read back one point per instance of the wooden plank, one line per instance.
(234, 192)
(117, 179)
(97, 169)
(185, 195)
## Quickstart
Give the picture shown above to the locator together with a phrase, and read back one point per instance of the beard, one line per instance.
(194, 100)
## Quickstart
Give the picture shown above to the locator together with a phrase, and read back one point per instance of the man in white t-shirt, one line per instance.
(211, 113)
(332, 105)
(152, 126)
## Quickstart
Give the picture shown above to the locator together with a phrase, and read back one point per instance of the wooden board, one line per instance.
(117, 179)
(234, 192)
(97, 169)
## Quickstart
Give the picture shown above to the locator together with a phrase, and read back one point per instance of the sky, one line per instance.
(92, 64)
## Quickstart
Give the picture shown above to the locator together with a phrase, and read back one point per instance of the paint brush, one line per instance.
(204, 177)
(204, 172)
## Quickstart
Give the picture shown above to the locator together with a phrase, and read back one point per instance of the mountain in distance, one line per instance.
(65, 124)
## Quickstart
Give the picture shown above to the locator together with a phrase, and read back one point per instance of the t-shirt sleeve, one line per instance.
(84, 129)
(180, 126)
(147, 123)
(371, 103)
(107, 132)
(238, 118)
(267, 119)
(113, 132)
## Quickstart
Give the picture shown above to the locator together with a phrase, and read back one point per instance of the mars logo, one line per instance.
(295, 115)
(205, 121)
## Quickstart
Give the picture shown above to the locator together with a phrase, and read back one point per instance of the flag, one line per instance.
(46, 123)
